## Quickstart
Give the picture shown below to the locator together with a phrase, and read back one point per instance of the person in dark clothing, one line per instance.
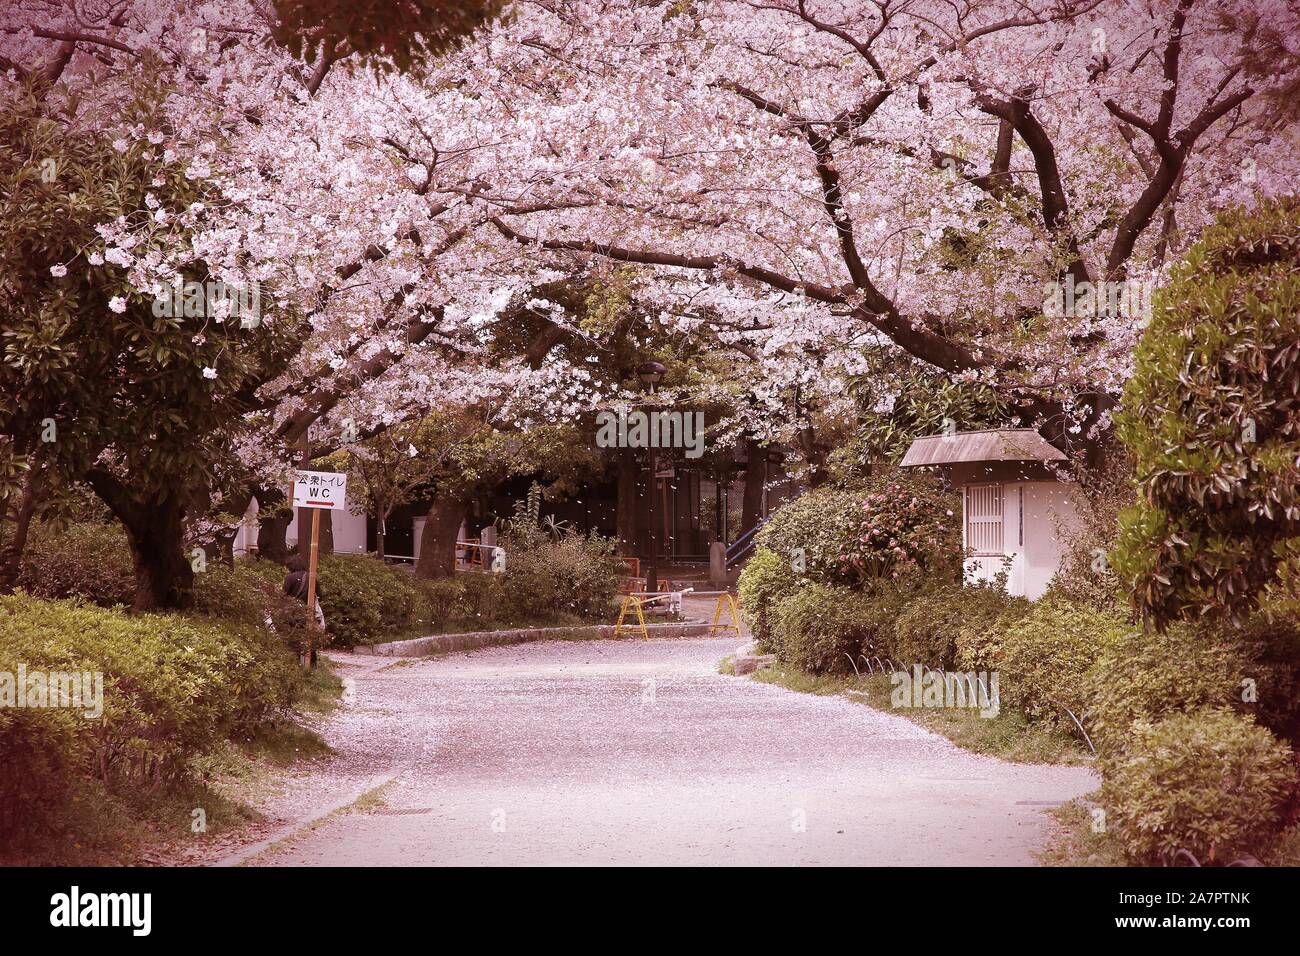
(296, 585)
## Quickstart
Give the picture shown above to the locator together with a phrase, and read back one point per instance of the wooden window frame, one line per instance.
(969, 519)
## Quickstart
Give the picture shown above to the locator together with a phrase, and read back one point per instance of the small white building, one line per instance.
(1015, 505)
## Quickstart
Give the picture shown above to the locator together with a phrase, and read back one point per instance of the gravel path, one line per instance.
(639, 752)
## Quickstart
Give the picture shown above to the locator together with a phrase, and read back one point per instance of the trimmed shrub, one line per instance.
(881, 605)
(1209, 781)
(979, 638)
(766, 579)
(87, 560)
(364, 599)
(172, 687)
(929, 626)
(1269, 649)
(821, 523)
(906, 524)
(1047, 654)
(819, 627)
(481, 595)
(445, 598)
(251, 595)
(1151, 676)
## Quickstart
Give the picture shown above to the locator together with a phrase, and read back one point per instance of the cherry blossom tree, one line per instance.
(919, 171)
(797, 183)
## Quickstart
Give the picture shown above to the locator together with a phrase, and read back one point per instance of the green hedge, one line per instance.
(250, 594)
(1209, 781)
(931, 626)
(820, 627)
(572, 576)
(766, 579)
(87, 560)
(172, 687)
(820, 524)
(364, 599)
(1151, 676)
(1046, 656)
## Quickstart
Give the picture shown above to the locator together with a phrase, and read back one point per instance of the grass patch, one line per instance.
(372, 799)
(1073, 841)
(1008, 735)
(102, 827)
(728, 665)
(322, 690)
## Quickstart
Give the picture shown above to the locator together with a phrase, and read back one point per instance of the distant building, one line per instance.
(1015, 505)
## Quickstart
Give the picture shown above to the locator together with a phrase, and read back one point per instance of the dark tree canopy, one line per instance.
(396, 33)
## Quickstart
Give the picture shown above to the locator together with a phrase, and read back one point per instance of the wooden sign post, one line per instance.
(317, 490)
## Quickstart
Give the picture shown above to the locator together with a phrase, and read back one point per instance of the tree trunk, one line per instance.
(438, 539)
(164, 577)
(155, 529)
(628, 509)
(755, 478)
(271, 528)
(11, 556)
(814, 453)
(381, 528)
(224, 539)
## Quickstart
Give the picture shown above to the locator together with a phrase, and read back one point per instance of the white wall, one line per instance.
(1046, 507)
(349, 532)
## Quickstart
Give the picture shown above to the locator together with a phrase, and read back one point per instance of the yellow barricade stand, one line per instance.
(728, 602)
(634, 603)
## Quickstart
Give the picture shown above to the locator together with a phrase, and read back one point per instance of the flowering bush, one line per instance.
(907, 525)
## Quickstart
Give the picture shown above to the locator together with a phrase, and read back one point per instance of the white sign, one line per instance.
(320, 489)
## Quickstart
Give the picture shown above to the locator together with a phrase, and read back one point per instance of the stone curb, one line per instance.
(447, 643)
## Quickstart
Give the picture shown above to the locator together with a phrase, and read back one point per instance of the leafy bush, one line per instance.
(766, 579)
(546, 577)
(364, 599)
(88, 560)
(445, 598)
(883, 602)
(481, 595)
(930, 624)
(1210, 416)
(907, 524)
(819, 627)
(1268, 649)
(171, 688)
(1150, 676)
(1209, 781)
(819, 524)
(979, 638)
(249, 595)
(1047, 654)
